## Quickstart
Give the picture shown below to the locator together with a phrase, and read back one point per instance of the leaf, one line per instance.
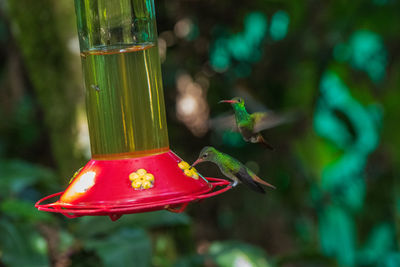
(66, 240)
(192, 260)
(379, 244)
(237, 254)
(123, 248)
(91, 226)
(390, 260)
(24, 211)
(22, 246)
(337, 235)
(17, 175)
(164, 250)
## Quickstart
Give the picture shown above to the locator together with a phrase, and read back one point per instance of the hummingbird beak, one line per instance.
(196, 162)
(227, 101)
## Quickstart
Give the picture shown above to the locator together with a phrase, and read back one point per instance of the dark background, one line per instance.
(334, 64)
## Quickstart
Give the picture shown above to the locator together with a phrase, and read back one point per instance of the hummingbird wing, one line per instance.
(267, 120)
(245, 178)
(232, 167)
(224, 122)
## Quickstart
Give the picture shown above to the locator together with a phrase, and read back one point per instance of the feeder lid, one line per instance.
(123, 186)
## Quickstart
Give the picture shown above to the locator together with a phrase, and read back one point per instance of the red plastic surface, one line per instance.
(103, 187)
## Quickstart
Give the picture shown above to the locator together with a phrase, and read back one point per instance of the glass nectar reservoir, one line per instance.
(132, 169)
(121, 68)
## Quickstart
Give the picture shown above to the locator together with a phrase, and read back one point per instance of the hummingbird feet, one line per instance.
(234, 183)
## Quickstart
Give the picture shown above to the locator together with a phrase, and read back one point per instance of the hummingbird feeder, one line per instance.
(132, 168)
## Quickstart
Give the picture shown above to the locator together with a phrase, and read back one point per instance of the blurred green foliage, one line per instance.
(336, 166)
(243, 47)
(231, 253)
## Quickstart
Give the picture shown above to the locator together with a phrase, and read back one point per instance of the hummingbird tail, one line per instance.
(260, 139)
(246, 179)
(259, 180)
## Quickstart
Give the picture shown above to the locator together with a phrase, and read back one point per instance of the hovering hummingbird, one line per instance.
(250, 125)
(232, 169)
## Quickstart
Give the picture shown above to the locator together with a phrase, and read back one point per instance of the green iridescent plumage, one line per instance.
(232, 169)
(249, 125)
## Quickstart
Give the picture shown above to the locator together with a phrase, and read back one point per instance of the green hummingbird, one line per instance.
(250, 125)
(232, 169)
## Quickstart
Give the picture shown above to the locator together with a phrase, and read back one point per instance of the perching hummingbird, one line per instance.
(232, 169)
(250, 125)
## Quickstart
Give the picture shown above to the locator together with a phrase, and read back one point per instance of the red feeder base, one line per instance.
(124, 186)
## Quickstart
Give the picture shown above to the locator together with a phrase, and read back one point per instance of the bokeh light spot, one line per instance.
(365, 51)
(279, 25)
(243, 46)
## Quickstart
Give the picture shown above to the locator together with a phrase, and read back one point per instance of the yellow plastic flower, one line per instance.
(189, 171)
(183, 165)
(141, 179)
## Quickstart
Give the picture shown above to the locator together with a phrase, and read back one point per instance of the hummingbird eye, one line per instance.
(205, 155)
